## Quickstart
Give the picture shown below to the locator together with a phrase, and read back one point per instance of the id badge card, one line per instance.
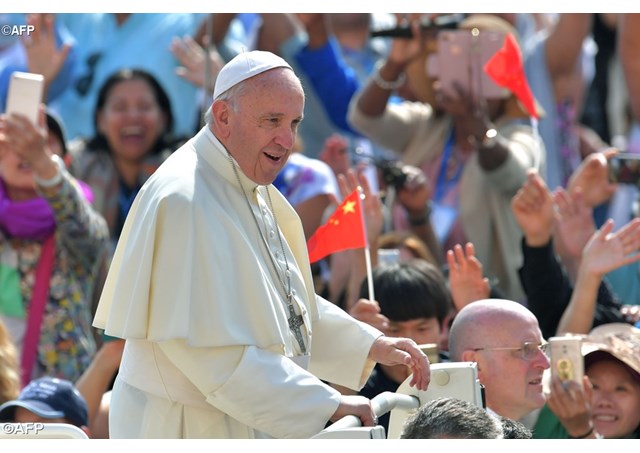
(442, 219)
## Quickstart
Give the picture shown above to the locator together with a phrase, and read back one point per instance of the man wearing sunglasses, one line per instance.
(503, 337)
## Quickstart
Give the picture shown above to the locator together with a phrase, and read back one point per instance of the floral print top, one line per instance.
(66, 344)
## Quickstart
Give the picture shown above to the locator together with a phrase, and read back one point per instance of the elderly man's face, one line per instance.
(264, 123)
(513, 384)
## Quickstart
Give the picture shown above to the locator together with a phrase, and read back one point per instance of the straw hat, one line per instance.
(618, 340)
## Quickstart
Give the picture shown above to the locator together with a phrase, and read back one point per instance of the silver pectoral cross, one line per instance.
(295, 322)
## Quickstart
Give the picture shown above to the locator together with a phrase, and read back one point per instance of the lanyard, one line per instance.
(443, 185)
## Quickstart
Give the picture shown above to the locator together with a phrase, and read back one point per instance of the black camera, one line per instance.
(392, 172)
(440, 22)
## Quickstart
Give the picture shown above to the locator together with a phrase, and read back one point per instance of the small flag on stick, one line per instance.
(344, 230)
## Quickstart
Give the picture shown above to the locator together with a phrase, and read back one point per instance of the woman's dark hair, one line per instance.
(410, 290)
(99, 141)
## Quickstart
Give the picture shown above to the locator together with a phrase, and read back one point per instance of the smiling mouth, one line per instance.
(272, 157)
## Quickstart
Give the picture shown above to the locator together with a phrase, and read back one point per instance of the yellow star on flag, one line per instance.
(348, 207)
(340, 232)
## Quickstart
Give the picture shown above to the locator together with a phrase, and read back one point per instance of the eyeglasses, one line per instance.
(528, 350)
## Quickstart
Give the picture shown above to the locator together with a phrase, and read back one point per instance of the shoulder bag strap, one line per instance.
(36, 308)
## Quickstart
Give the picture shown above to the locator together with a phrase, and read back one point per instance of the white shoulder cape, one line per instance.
(190, 239)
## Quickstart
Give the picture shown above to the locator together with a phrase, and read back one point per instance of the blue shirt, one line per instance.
(142, 41)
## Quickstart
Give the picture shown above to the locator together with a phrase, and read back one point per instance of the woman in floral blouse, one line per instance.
(50, 241)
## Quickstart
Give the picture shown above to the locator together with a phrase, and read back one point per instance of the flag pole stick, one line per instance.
(367, 251)
(367, 257)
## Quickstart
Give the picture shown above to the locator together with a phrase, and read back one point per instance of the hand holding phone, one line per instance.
(460, 60)
(567, 363)
(25, 94)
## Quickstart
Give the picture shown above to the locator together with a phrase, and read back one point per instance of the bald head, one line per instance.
(493, 333)
(486, 323)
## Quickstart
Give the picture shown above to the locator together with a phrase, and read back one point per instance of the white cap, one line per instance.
(245, 66)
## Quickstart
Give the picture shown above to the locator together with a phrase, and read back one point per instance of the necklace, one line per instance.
(294, 320)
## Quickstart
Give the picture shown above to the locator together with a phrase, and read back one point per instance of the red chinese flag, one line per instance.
(507, 70)
(344, 230)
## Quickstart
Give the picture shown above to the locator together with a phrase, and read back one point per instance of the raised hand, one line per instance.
(43, 55)
(607, 251)
(572, 405)
(533, 209)
(192, 57)
(416, 191)
(371, 204)
(19, 135)
(592, 176)
(404, 50)
(335, 153)
(604, 252)
(574, 223)
(466, 279)
(368, 311)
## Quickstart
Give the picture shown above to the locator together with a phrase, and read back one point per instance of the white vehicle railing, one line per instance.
(454, 379)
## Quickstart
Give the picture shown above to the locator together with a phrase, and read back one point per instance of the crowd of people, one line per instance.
(154, 273)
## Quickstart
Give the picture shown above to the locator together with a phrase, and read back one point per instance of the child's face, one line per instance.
(16, 172)
(421, 330)
(616, 399)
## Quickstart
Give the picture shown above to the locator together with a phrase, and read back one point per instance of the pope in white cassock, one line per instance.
(211, 287)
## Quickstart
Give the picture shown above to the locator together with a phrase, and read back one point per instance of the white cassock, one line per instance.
(192, 289)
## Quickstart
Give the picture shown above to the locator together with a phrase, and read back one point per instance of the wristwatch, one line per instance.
(490, 139)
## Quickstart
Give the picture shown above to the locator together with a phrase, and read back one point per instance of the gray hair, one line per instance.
(231, 96)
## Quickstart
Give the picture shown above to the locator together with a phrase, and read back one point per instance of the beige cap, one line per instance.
(620, 340)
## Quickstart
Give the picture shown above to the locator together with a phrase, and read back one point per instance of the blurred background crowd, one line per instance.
(472, 192)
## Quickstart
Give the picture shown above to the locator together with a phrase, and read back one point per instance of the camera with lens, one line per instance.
(624, 168)
(437, 22)
(392, 172)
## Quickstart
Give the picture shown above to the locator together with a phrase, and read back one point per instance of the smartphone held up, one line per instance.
(25, 94)
(567, 363)
(460, 59)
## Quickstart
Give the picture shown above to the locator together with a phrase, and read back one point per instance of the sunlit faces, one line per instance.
(616, 399)
(264, 123)
(131, 119)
